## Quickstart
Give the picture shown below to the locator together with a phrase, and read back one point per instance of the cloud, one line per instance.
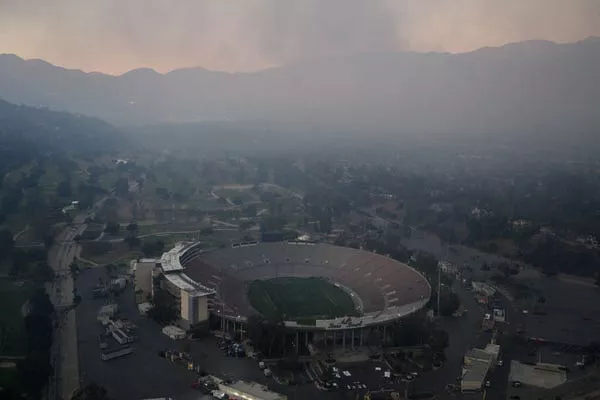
(241, 35)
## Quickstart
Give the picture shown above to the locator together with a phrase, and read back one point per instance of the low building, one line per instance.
(174, 332)
(143, 308)
(107, 312)
(247, 390)
(541, 375)
(483, 288)
(494, 350)
(447, 267)
(476, 365)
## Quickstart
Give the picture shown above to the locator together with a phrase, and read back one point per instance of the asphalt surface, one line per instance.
(64, 348)
(464, 334)
(142, 374)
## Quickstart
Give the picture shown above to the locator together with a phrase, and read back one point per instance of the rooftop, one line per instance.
(541, 375)
(479, 355)
(256, 390)
(476, 371)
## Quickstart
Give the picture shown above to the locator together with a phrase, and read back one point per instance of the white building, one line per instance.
(247, 390)
(540, 375)
(191, 296)
(476, 365)
(174, 332)
(447, 267)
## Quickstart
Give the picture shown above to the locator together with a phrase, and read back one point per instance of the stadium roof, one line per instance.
(170, 260)
(386, 289)
(185, 283)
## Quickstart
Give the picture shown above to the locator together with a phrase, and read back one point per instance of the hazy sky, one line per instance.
(243, 35)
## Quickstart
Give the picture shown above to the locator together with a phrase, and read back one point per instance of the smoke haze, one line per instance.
(114, 36)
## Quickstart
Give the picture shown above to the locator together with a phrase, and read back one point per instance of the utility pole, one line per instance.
(439, 288)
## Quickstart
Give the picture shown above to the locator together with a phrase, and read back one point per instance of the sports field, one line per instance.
(300, 298)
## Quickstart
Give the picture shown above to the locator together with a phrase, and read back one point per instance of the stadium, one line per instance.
(336, 295)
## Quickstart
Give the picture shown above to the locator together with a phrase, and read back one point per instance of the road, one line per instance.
(64, 355)
(463, 334)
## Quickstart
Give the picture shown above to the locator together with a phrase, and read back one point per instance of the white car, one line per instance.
(500, 363)
(488, 384)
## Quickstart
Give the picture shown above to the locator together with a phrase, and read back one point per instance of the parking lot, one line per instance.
(139, 375)
(367, 376)
(145, 374)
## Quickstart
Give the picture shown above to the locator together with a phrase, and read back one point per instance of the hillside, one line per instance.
(529, 87)
(44, 161)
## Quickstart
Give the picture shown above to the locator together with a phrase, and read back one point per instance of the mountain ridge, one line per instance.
(530, 86)
(590, 39)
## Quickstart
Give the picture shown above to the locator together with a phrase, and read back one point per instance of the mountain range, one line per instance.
(530, 87)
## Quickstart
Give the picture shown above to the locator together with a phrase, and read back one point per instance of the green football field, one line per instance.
(300, 298)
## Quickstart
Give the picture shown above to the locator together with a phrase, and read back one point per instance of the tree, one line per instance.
(74, 269)
(449, 303)
(109, 268)
(246, 225)
(6, 242)
(438, 340)
(122, 187)
(164, 310)
(93, 391)
(250, 210)
(206, 231)
(132, 228)
(162, 193)
(64, 189)
(48, 241)
(504, 268)
(42, 272)
(112, 228)
(153, 248)
(34, 370)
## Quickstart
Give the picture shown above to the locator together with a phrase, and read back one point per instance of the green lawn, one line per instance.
(12, 298)
(300, 299)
